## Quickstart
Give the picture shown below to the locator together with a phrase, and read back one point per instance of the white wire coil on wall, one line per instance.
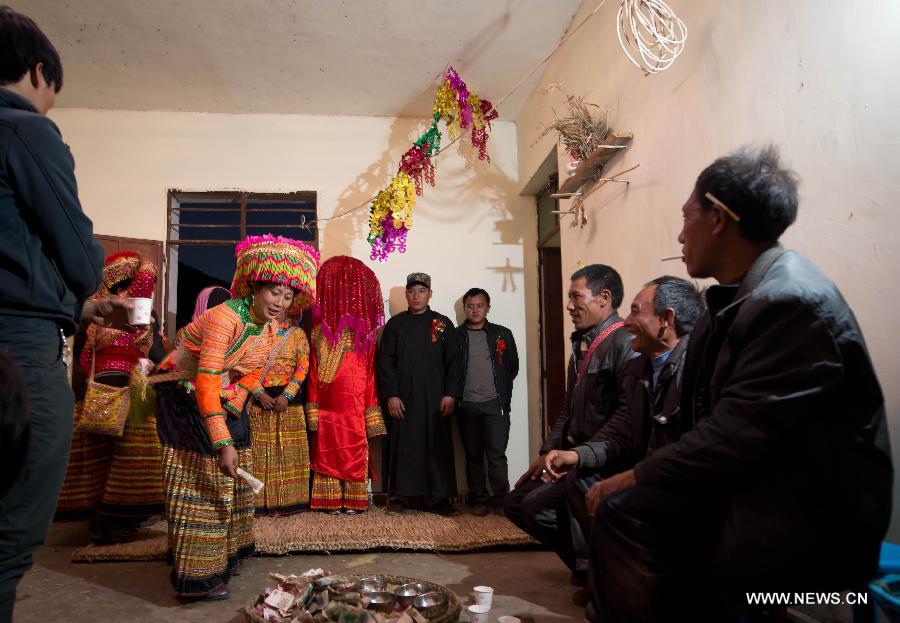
(650, 34)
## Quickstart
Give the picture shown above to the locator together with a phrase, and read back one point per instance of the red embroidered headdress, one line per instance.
(348, 296)
(125, 265)
(120, 266)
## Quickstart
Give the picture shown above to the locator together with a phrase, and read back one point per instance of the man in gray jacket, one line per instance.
(784, 481)
(490, 364)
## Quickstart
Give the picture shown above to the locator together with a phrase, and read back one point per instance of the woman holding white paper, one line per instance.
(202, 388)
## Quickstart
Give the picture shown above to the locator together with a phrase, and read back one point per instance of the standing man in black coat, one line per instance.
(49, 264)
(490, 362)
(419, 377)
(784, 482)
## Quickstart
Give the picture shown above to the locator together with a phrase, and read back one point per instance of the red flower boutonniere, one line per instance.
(501, 346)
(437, 326)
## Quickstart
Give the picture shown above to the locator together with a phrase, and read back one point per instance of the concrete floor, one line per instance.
(532, 585)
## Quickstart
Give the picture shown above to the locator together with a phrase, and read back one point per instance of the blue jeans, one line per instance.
(27, 509)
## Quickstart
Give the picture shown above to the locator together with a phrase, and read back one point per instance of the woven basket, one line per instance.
(393, 581)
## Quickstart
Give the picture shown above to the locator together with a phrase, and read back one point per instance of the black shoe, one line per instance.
(151, 521)
(403, 505)
(351, 511)
(397, 508)
(479, 509)
(497, 507)
(216, 594)
(99, 532)
(122, 535)
(444, 508)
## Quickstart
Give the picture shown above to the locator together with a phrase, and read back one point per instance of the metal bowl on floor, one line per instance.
(381, 601)
(406, 593)
(369, 585)
(431, 605)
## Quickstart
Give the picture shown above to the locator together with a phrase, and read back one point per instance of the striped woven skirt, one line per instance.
(331, 494)
(280, 459)
(134, 486)
(116, 476)
(89, 459)
(210, 515)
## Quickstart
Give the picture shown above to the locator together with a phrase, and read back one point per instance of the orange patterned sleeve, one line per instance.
(218, 334)
(301, 350)
(240, 392)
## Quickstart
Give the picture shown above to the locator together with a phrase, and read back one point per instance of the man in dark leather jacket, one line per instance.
(600, 349)
(662, 317)
(490, 363)
(784, 483)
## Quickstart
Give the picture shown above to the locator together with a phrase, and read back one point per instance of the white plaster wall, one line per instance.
(817, 79)
(464, 229)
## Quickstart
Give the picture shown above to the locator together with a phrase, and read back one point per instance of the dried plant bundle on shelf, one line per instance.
(580, 132)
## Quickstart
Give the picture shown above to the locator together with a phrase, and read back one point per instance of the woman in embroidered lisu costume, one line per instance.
(342, 403)
(119, 477)
(202, 422)
(278, 422)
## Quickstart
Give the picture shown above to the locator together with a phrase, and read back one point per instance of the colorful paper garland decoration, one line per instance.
(390, 217)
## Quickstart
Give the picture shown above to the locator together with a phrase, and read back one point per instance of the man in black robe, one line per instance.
(419, 378)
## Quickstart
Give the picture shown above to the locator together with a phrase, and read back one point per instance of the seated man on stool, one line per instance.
(662, 316)
(600, 349)
(783, 483)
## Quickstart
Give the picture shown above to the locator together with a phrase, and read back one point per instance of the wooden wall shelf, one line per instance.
(589, 168)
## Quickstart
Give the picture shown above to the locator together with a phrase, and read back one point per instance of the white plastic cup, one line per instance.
(140, 315)
(484, 595)
(508, 619)
(478, 613)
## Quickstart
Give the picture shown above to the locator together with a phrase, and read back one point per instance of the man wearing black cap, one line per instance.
(419, 378)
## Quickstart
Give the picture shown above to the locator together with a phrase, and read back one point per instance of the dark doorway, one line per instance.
(550, 287)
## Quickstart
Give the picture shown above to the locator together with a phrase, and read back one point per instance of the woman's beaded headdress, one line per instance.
(276, 259)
